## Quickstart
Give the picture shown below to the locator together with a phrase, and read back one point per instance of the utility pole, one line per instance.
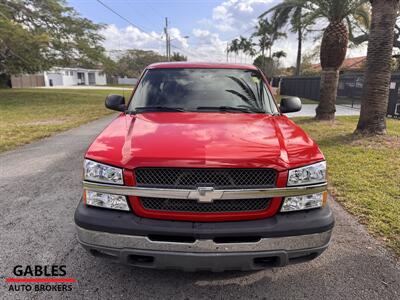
(167, 40)
(169, 47)
(227, 52)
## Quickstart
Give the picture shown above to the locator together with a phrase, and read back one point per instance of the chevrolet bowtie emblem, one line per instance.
(205, 194)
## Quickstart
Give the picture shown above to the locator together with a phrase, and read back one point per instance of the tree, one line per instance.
(307, 63)
(133, 62)
(268, 33)
(289, 12)
(378, 71)
(234, 47)
(176, 56)
(36, 35)
(266, 64)
(341, 15)
(246, 45)
(279, 54)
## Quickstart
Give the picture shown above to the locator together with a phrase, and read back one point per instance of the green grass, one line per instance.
(364, 174)
(121, 85)
(30, 114)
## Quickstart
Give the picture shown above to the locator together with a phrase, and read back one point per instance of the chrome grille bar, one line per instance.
(205, 196)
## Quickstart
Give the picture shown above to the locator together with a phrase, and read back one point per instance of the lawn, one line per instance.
(364, 174)
(30, 114)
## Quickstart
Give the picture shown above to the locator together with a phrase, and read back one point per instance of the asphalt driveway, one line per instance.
(40, 188)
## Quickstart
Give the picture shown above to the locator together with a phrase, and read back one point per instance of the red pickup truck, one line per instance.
(202, 171)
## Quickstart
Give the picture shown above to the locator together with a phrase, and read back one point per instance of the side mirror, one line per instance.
(115, 102)
(291, 104)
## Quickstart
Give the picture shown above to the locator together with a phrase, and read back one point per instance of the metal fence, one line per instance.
(349, 90)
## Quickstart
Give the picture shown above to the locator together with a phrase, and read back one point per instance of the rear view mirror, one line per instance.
(291, 104)
(115, 102)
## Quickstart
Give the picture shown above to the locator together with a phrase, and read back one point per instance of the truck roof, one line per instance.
(200, 65)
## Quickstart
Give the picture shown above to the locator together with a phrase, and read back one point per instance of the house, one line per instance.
(60, 77)
(353, 64)
(74, 76)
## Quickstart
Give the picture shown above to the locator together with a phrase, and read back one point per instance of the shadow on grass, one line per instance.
(341, 132)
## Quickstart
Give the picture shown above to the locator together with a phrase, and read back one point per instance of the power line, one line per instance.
(119, 15)
(236, 35)
(184, 51)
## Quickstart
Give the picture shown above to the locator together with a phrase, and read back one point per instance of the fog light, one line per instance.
(106, 200)
(304, 202)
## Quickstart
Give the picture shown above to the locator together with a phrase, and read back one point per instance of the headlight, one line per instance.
(98, 172)
(315, 173)
(304, 202)
(106, 200)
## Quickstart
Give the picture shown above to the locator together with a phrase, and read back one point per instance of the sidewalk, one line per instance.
(308, 110)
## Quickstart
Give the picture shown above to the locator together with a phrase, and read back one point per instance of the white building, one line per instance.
(73, 76)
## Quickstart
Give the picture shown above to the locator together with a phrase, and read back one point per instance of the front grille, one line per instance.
(218, 206)
(190, 178)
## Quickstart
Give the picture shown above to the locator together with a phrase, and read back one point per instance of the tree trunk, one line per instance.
(328, 92)
(263, 58)
(299, 50)
(333, 51)
(263, 55)
(377, 74)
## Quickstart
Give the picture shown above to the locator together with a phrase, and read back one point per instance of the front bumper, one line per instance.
(216, 246)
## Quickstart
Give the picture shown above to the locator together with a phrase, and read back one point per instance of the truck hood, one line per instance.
(191, 139)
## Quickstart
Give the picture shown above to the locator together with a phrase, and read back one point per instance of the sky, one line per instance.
(199, 29)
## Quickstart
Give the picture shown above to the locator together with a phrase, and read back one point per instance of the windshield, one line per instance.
(232, 90)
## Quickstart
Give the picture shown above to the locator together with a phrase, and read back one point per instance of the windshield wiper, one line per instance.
(231, 108)
(157, 108)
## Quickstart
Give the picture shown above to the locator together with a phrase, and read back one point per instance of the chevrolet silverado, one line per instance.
(201, 170)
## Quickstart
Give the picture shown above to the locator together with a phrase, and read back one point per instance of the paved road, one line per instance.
(40, 187)
(308, 110)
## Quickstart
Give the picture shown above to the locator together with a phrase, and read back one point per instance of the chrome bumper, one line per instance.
(121, 241)
(204, 255)
(208, 195)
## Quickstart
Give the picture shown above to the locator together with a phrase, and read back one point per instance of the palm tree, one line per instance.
(246, 45)
(243, 44)
(268, 34)
(234, 47)
(287, 13)
(278, 55)
(377, 74)
(340, 14)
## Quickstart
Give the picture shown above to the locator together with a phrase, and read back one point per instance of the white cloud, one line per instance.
(234, 14)
(130, 38)
(208, 46)
(200, 33)
(209, 39)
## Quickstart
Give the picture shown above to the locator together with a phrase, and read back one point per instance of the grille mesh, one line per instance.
(218, 206)
(193, 178)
